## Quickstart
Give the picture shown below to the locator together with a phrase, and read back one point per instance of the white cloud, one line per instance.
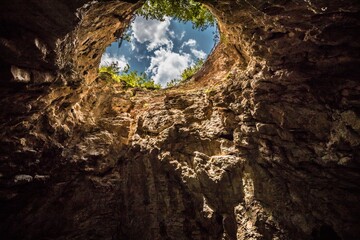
(167, 65)
(139, 58)
(191, 43)
(151, 31)
(198, 53)
(182, 35)
(133, 46)
(172, 34)
(106, 59)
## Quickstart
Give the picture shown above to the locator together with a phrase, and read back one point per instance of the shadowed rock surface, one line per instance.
(263, 143)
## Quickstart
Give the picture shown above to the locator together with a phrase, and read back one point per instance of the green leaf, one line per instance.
(182, 10)
(132, 79)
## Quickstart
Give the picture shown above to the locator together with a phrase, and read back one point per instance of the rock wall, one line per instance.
(263, 143)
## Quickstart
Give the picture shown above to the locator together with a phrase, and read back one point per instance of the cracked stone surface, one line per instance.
(263, 142)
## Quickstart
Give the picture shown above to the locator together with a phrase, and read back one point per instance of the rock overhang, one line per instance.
(268, 134)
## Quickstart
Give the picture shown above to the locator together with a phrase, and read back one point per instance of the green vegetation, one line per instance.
(182, 10)
(133, 79)
(190, 71)
(187, 73)
(224, 39)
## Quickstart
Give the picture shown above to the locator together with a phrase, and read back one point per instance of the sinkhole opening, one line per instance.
(165, 44)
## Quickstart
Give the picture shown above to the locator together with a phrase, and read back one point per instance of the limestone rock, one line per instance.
(263, 143)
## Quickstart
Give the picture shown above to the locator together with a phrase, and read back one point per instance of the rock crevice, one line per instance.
(263, 143)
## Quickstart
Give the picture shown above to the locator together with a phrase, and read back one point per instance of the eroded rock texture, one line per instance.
(262, 144)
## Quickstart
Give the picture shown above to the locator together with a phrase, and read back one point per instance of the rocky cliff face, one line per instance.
(263, 143)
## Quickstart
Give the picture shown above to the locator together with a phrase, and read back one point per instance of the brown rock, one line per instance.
(263, 142)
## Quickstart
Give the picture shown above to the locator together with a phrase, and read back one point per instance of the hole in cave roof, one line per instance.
(166, 43)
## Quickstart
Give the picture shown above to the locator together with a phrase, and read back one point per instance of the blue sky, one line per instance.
(161, 49)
